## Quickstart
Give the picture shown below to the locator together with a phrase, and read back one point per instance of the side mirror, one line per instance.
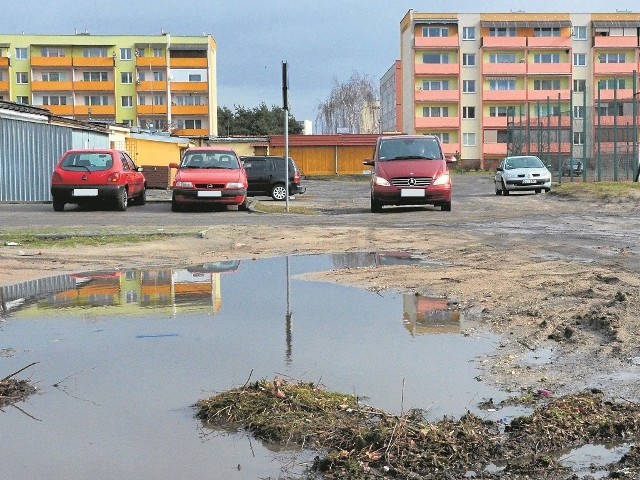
(499, 169)
(371, 163)
(139, 169)
(173, 165)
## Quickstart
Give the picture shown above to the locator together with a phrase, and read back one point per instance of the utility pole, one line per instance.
(285, 106)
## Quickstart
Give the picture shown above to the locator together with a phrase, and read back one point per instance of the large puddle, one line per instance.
(122, 357)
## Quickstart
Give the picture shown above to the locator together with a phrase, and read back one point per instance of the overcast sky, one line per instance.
(321, 40)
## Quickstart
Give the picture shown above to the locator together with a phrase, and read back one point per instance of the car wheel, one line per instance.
(498, 190)
(376, 205)
(58, 205)
(244, 205)
(547, 190)
(446, 207)
(505, 192)
(538, 191)
(278, 192)
(122, 202)
(142, 198)
(175, 206)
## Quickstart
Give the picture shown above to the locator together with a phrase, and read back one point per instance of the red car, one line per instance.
(409, 170)
(95, 175)
(209, 176)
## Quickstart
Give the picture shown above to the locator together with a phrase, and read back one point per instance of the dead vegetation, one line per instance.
(357, 441)
(13, 390)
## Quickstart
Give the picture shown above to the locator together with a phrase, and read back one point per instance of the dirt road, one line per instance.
(557, 277)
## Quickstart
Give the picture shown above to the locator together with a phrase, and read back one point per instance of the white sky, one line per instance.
(321, 40)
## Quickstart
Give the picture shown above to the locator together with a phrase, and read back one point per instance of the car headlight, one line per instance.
(383, 182)
(235, 185)
(443, 179)
(184, 184)
(508, 175)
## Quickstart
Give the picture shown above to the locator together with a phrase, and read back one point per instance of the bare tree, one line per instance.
(352, 107)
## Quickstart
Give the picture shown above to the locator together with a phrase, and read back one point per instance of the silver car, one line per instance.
(522, 173)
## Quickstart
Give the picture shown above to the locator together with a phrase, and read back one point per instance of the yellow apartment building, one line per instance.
(163, 82)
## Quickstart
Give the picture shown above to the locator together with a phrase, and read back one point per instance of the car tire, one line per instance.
(547, 190)
(142, 198)
(279, 192)
(537, 190)
(58, 205)
(498, 190)
(376, 205)
(244, 206)
(446, 207)
(505, 192)
(175, 206)
(122, 202)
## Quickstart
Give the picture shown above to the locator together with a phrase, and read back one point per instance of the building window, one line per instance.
(579, 59)
(546, 32)
(95, 76)
(435, 85)
(22, 99)
(21, 54)
(612, 57)
(158, 53)
(96, 100)
(611, 84)
(468, 112)
(54, 100)
(579, 85)
(468, 33)
(502, 111)
(469, 59)
(140, 52)
(578, 138)
(546, 58)
(578, 111)
(429, 58)
(469, 139)
(502, 58)
(52, 52)
(549, 84)
(502, 84)
(580, 33)
(158, 99)
(502, 32)
(126, 77)
(127, 101)
(22, 77)
(141, 75)
(158, 76)
(94, 52)
(142, 100)
(188, 100)
(190, 124)
(435, 31)
(54, 76)
(444, 137)
(126, 54)
(469, 86)
(435, 112)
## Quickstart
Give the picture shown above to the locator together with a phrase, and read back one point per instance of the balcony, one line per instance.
(504, 42)
(94, 62)
(549, 68)
(151, 62)
(495, 122)
(4, 62)
(440, 123)
(437, 42)
(51, 61)
(188, 62)
(190, 109)
(614, 68)
(189, 86)
(437, 95)
(63, 110)
(608, 94)
(549, 42)
(95, 110)
(84, 86)
(551, 94)
(39, 86)
(504, 68)
(151, 109)
(151, 86)
(437, 69)
(494, 149)
(191, 132)
(4, 86)
(504, 95)
(609, 41)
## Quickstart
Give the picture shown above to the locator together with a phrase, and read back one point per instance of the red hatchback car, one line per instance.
(409, 170)
(209, 176)
(94, 175)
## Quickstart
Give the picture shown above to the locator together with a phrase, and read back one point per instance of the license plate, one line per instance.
(412, 192)
(85, 192)
(210, 193)
(529, 180)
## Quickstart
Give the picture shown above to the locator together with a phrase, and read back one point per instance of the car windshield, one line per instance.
(409, 148)
(89, 161)
(523, 162)
(218, 159)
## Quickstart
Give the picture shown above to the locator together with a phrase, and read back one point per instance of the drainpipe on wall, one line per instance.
(168, 35)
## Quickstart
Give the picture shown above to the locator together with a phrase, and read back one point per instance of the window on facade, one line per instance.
(551, 111)
(502, 32)
(502, 58)
(435, 84)
(142, 100)
(548, 84)
(580, 33)
(142, 75)
(195, 77)
(190, 124)
(127, 101)
(579, 59)
(613, 109)
(429, 58)
(611, 84)
(469, 59)
(469, 139)
(126, 77)
(158, 99)
(612, 57)
(139, 52)
(502, 84)
(508, 111)
(95, 76)
(94, 52)
(54, 100)
(21, 53)
(126, 54)
(468, 33)
(435, 31)
(52, 52)
(435, 111)
(188, 100)
(96, 100)
(22, 77)
(468, 112)
(546, 58)
(578, 111)
(54, 76)
(469, 86)
(22, 99)
(443, 136)
(546, 32)
(158, 53)
(579, 85)
(578, 138)
(158, 76)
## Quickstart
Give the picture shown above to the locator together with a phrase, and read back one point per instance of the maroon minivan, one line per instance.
(409, 170)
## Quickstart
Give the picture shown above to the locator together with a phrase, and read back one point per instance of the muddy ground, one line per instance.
(556, 276)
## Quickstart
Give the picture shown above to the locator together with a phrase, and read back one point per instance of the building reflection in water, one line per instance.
(429, 315)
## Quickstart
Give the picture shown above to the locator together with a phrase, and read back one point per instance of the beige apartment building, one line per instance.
(468, 77)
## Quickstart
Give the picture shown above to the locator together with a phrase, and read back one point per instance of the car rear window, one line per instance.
(203, 159)
(92, 161)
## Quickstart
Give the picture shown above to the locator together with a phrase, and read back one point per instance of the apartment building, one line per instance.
(162, 82)
(467, 77)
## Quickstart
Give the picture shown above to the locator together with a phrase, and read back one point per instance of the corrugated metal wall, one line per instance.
(88, 139)
(328, 160)
(28, 153)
